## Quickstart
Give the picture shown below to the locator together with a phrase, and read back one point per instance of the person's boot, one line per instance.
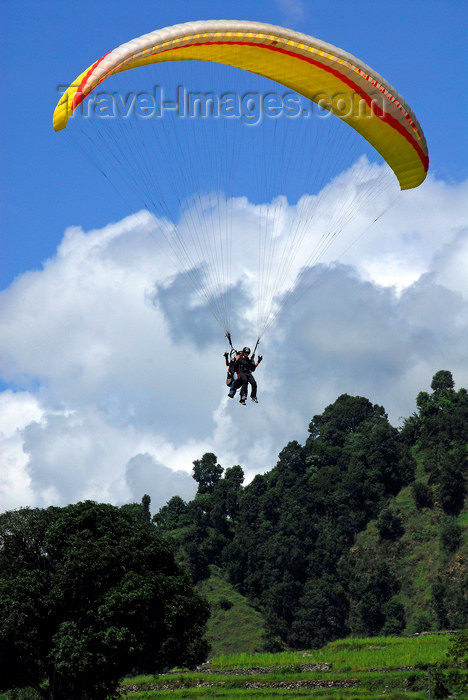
(242, 400)
(254, 399)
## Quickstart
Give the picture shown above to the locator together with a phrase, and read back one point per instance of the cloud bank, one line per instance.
(116, 372)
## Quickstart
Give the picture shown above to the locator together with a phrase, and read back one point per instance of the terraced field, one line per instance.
(389, 667)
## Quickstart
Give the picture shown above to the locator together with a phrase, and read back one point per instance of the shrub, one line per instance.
(422, 495)
(389, 526)
(394, 617)
(451, 537)
(423, 622)
(458, 647)
(439, 684)
(23, 694)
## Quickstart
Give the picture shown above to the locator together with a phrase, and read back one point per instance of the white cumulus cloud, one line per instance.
(293, 10)
(118, 371)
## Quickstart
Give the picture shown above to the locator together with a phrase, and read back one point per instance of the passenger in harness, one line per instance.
(245, 366)
(232, 375)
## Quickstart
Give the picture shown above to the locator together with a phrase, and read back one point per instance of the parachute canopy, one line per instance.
(311, 67)
(244, 205)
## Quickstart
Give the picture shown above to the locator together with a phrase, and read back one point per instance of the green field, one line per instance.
(354, 654)
(390, 667)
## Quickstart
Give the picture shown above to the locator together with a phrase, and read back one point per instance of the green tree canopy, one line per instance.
(88, 593)
(207, 472)
(171, 516)
(389, 525)
(442, 380)
(287, 539)
(296, 521)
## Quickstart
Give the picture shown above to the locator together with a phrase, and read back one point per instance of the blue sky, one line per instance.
(111, 376)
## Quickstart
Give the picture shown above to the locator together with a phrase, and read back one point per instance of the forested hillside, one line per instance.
(363, 529)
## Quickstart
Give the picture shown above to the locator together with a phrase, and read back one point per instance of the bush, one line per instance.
(389, 526)
(439, 684)
(422, 495)
(394, 617)
(415, 682)
(23, 694)
(458, 647)
(423, 622)
(451, 537)
(291, 668)
(438, 604)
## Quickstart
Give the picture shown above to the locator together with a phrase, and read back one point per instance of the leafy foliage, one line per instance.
(207, 472)
(443, 431)
(458, 647)
(87, 593)
(389, 525)
(451, 537)
(172, 516)
(422, 495)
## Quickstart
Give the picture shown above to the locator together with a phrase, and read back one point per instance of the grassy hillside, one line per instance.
(234, 626)
(421, 559)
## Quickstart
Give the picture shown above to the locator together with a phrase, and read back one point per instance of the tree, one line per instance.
(394, 617)
(443, 415)
(321, 614)
(422, 495)
(452, 487)
(87, 594)
(442, 381)
(296, 522)
(438, 604)
(371, 588)
(172, 515)
(139, 511)
(207, 472)
(410, 430)
(451, 536)
(234, 476)
(389, 525)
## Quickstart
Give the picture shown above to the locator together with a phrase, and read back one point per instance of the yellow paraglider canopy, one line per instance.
(336, 80)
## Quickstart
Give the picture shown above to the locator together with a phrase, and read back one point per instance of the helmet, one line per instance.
(246, 351)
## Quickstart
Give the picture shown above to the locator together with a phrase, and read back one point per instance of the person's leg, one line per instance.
(234, 386)
(244, 381)
(253, 390)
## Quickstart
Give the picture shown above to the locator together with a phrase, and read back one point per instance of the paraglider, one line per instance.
(309, 66)
(239, 376)
(197, 180)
